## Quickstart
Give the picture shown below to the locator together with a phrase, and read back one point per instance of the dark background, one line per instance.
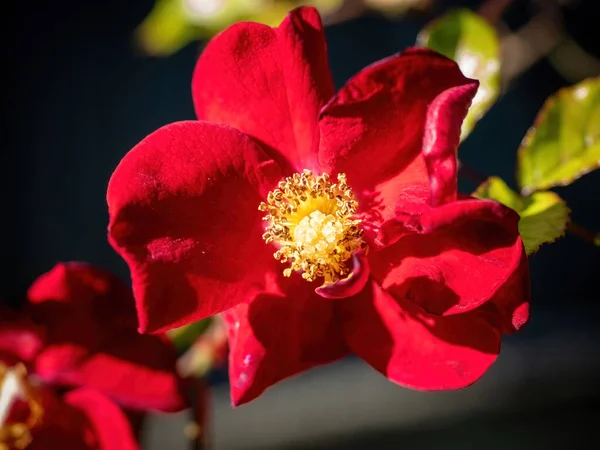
(78, 97)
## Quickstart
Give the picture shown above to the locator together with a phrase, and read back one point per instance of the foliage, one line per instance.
(172, 24)
(469, 40)
(544, 215)
(564, 142)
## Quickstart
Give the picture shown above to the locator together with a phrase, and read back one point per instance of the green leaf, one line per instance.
(165, 30)
(564, 142)
(398, 7)
(183, 337)
(473, 43)
(544, 215)
(173, 24)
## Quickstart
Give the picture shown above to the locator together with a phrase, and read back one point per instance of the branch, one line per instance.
(196, 429)
(584, 234)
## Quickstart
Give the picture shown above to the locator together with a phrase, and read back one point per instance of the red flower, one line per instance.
(75, 331)
(40, 419)
(443, 276)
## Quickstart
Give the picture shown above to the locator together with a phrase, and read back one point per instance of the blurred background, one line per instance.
(81, 91)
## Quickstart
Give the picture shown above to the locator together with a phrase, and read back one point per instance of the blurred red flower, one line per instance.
(71, 358)
(358, 190)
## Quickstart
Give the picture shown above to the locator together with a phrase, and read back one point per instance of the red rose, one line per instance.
(41, 419)
(359, 194)
(75, 332)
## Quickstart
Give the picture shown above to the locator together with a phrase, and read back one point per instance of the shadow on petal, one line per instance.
(412, 290)
(466, 263)
(510, 306)
(417, 349)
(352, 284)
(275, 337)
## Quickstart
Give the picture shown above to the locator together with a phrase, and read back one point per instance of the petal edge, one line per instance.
(183, 208)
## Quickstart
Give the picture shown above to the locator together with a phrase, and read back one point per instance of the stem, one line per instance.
(492, 10)
(584, 234)
(196, 428)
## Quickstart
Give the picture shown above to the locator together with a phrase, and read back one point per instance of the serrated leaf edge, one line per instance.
(567, 219)
(528, 190)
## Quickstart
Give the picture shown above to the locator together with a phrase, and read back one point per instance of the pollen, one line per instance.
(15, 386)
(311, 221)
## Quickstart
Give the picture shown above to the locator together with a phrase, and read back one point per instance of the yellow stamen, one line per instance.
(14, 385)
(311, 220)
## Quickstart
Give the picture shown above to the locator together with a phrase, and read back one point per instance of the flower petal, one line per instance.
(111, 427)
(416, 349)
(381, 116)
(458, 257)
(275, 337)
(20, 339)
(89, 318)
(269, 83)
(511, 302)
(136, 371)
(77, 294)
(352, 284)
(82, 420)
(184, 215)
(441, 139)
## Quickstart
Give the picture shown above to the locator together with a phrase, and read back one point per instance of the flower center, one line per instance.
(20, 408)
(311, 220)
